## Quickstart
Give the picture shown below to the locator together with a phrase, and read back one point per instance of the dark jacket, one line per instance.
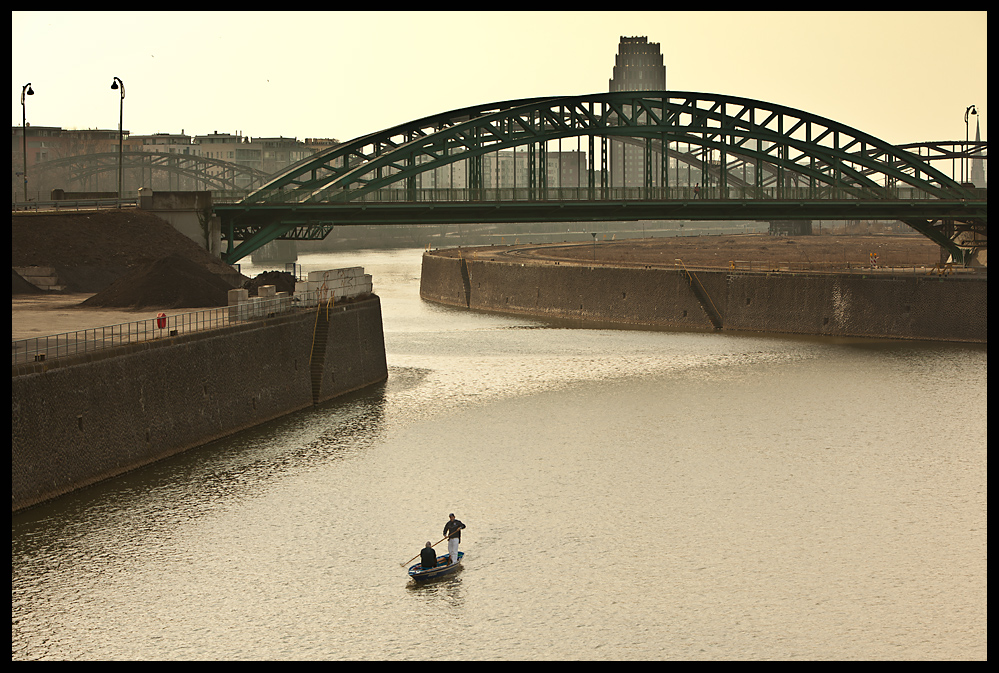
(428, 558)
(453, 529)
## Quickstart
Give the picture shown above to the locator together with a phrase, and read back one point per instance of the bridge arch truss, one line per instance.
(770, 159)
(208, 173)
(731, 138)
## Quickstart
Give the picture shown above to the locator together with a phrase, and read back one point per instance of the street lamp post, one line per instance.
(26, 89)
(964, 160)
(121, 112)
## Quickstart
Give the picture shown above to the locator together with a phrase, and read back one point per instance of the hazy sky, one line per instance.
(900, 76)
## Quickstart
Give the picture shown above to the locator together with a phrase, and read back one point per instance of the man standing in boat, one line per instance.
(452, 529)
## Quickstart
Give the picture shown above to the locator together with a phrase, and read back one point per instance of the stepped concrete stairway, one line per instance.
(467, 282)
(318, 360)
(702, 296)
(43, 277)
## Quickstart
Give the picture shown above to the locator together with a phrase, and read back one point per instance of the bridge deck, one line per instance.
(255, 215)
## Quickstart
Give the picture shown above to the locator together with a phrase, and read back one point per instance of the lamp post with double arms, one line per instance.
(118, 84)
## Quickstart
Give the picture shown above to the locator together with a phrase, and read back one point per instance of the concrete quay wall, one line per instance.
(82, 419)
(879, 304)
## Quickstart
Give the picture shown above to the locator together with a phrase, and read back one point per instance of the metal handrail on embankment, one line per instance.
(843, 267)
(72, 204)
(44, 348)
(763, 266)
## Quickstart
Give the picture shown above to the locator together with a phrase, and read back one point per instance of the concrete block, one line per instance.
(305, 295)
(33, 271)
(42, 277)
(240, 311)
(282, 302)
(238, 296)
(349, 272)
(338, 283)
(267, 291)
(335, 274)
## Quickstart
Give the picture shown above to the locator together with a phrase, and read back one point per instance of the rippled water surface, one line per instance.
(628, 495)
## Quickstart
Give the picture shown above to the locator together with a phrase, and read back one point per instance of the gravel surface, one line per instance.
(721, 251)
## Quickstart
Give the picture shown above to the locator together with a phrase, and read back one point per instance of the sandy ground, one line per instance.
(45, 315)
(826, 252)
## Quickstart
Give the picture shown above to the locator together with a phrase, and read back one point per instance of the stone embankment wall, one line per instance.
(81, 419)
(882, 305)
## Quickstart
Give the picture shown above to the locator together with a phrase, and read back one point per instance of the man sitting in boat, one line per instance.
(428, 557)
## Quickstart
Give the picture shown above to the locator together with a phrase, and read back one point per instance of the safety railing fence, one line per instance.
(871, 266)
(91, 340)
(582, 193)
(843, 267)
(74, 204)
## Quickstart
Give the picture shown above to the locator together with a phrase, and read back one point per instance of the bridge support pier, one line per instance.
(190, 213)
(944, 236)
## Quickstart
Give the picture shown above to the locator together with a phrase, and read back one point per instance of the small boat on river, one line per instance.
(443, 567)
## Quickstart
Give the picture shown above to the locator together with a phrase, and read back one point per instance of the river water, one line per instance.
(627, 494)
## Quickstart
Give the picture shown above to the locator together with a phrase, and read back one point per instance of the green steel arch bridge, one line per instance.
(751, 160)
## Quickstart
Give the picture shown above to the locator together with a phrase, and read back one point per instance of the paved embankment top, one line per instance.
(720, 251)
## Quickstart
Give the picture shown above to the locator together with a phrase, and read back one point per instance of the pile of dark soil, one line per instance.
(90, 278)
(20, 286)
(281, 280)
(173, 281)
(90, 250)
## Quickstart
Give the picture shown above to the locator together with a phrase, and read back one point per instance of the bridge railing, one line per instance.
(76, 204)
(673, 193)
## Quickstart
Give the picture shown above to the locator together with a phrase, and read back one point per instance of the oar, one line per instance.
(417, 556)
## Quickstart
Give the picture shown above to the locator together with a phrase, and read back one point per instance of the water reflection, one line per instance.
(628, 494)
(447, 589)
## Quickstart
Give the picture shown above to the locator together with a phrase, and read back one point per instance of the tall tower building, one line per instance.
(638, 66)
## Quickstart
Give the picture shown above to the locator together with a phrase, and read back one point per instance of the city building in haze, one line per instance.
(51, 143)
(638, 66)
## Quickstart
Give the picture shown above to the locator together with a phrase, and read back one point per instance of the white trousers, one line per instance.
(452, 549)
